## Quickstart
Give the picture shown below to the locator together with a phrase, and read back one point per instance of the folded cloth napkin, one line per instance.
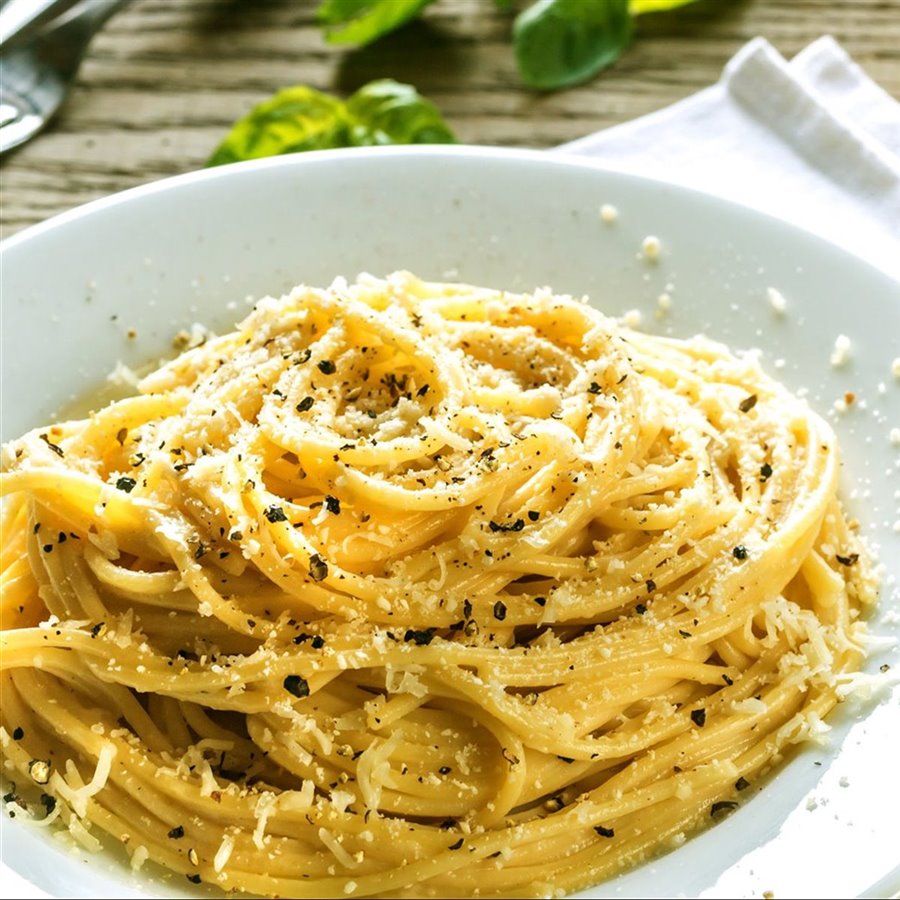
(814, 141)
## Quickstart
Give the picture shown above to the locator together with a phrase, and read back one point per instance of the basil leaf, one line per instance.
(362, 21)
(300, 118)
(564, 42)
(387, 112)
(639, 7)
(295, 119)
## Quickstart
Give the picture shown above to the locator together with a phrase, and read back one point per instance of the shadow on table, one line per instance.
(434, 54)
(440, 52)
(428, 55)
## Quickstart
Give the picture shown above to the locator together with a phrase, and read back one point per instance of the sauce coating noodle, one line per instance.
(415, 589)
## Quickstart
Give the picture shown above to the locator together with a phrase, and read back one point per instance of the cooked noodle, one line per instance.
(422, 589)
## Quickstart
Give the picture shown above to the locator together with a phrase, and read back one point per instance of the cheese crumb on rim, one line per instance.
(651, 247)
(841, 352)
(776, 300)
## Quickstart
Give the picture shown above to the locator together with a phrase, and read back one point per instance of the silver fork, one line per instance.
(39, 60)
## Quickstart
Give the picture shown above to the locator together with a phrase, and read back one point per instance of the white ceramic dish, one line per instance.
(193, 248)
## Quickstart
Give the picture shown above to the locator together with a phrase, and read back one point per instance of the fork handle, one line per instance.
(20, 19)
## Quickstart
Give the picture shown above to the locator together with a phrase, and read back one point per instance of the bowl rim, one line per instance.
(549, 159)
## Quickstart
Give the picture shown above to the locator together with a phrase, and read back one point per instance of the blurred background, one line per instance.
(164, 80)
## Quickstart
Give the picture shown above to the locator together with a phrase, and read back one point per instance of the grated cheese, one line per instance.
(78, 797)
(841, 352)
(139, 857)
(333, 844)
(223, 854)
(776, 301)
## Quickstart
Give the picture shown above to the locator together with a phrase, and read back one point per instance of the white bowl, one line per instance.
(193, 248)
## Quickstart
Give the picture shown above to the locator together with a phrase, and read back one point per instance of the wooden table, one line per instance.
(166, 78)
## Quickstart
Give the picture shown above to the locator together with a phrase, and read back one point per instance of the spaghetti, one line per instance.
(418, 589)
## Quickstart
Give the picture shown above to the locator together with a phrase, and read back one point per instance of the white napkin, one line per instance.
(814, 141)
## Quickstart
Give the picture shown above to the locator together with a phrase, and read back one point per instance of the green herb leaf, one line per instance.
(565, 42)
(295, 119)
(639, 7)
(362, 21)
(300, 118)
(387, 112)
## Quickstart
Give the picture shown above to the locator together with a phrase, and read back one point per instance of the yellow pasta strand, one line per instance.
(415, 589)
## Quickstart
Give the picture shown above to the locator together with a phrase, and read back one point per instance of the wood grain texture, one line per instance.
(165, 79)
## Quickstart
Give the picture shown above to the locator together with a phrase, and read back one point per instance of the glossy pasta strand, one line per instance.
(416, 589)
